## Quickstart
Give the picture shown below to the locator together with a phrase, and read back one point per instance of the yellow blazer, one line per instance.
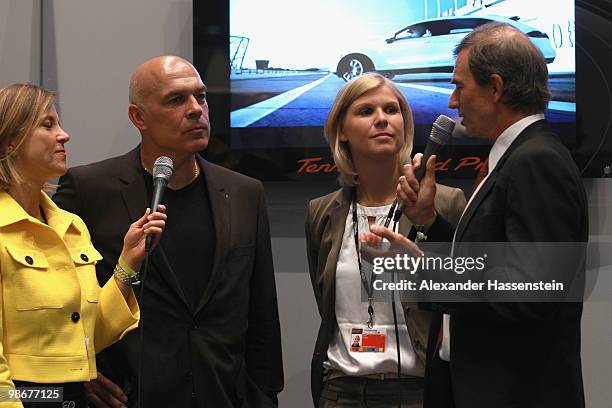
(54, 316)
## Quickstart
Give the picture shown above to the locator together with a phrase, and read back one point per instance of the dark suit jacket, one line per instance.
(227, 351)
(324, 231)
(516, 354)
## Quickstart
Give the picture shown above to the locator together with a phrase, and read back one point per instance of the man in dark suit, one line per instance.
(211, 327)
(507, 354)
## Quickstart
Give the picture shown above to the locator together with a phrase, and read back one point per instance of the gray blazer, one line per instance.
(324, 230)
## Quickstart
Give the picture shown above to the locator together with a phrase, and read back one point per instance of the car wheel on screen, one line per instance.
(354, 66)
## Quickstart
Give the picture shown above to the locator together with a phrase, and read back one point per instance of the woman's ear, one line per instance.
(343, 137)
(6, 147)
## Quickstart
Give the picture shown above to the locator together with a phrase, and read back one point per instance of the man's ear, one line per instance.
(136, 116)
(497, 86)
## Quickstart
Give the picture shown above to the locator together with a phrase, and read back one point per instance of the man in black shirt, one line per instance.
(211, 328)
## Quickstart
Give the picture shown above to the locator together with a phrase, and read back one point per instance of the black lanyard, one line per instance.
(368, 286)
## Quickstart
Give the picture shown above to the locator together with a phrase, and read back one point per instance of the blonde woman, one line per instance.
(54, 316)
(370, 133)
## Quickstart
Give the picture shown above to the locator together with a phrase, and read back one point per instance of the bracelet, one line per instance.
(125, 273)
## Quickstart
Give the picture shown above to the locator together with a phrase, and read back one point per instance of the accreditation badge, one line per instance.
(364, 339)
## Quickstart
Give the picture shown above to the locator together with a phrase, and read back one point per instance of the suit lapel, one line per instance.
(541, 126)
(220, 199)
(134, 194)
(471, 209)
(337, 223)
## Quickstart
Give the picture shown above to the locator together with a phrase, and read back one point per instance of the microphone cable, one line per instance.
(163, 168)
(145, 268)
(395, 210)
(397, 344)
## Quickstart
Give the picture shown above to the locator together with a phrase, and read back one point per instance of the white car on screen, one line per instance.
(426, 46)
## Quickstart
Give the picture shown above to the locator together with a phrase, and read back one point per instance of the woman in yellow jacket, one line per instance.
(54, 316)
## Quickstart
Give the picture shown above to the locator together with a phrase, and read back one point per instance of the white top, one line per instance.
(500, 146)
(351, 312)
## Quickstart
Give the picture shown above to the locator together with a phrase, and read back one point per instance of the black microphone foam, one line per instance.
(162, 171)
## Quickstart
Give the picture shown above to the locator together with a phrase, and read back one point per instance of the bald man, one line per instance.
(211, 328)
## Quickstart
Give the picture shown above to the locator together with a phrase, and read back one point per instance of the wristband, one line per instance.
(125, 273)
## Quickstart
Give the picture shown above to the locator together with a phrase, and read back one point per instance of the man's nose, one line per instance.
(195, 107)
(452, 101)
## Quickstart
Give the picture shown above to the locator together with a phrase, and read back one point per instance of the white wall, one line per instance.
(19, 41)
(90, 49)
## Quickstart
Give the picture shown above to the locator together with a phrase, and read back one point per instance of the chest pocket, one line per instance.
(35, 287)
(85, 263)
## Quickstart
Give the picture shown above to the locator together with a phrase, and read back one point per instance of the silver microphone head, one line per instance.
(163, 168)
(442, 130)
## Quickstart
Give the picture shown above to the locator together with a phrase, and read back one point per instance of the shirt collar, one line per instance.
(57, 218)
(12, 212)
(508, 136)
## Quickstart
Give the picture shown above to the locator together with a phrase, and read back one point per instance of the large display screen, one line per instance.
(287, 59)
(288, 65)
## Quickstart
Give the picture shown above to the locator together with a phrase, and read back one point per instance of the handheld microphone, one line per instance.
(162, 171)
(441, 132)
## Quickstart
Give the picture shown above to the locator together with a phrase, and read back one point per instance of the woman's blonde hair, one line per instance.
(353, 90)
(21, 107)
